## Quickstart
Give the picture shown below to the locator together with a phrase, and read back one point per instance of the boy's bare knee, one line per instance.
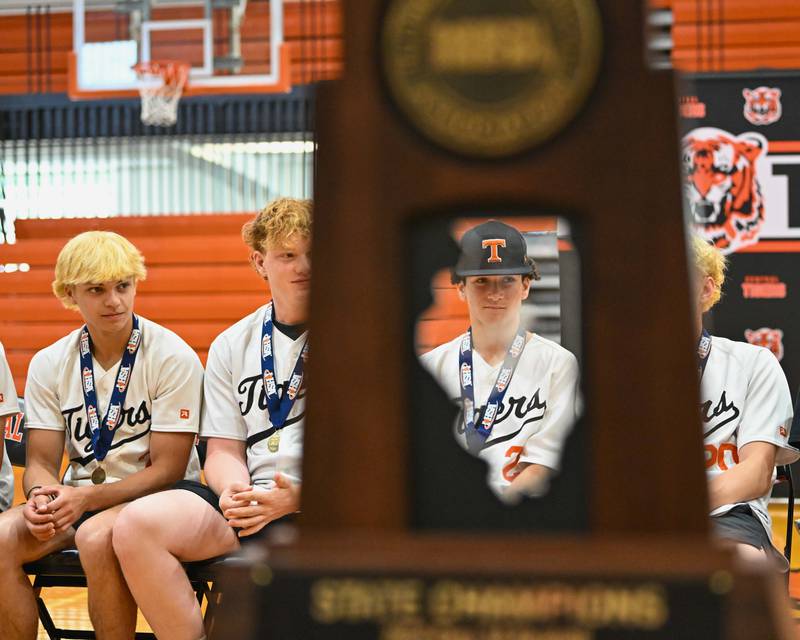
(93, 540)
(13, 538)
(8, 530)
(131, 526)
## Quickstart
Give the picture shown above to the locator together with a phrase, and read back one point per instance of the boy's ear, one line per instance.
(257, 260)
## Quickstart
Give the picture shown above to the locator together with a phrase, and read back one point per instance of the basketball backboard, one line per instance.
(233, 46)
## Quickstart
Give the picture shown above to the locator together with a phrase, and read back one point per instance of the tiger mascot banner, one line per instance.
(740, 151)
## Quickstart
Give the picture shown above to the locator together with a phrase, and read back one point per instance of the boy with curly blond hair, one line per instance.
(253, 421)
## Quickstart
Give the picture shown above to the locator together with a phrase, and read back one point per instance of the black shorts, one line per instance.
(211, 498)
(86, 515)
(741, 525)
(190, 485)
(200, 489)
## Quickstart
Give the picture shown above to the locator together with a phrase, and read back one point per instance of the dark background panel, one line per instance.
(721, 97)
(724, 103)
(735, 313)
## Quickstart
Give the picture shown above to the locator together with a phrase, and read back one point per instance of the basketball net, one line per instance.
(161, 86)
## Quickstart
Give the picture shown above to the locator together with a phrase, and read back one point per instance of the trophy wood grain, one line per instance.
(614, 173)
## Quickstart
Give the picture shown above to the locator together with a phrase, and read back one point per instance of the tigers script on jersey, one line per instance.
(235, 404)
(164, 394)
(536, 415)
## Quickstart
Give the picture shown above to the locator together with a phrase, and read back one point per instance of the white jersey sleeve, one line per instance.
(236, 404)
(178, 392)
(546, 445)
(8, 406)
(221, 415)
(42, 406)
(767, 412)
(8, 392)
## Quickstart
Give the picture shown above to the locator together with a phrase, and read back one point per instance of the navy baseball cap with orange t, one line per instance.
(493, 249)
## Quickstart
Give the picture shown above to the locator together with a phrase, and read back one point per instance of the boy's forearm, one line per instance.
(38, 475)
(745, 481)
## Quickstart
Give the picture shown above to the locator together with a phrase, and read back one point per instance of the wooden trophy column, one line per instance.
(420, 128)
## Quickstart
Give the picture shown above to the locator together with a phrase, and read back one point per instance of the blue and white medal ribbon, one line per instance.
(479, 424)
(102, 433)
(279, 407)
(703, 352)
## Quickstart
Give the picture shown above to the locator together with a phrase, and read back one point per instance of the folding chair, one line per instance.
(784, 476)
(63, 568)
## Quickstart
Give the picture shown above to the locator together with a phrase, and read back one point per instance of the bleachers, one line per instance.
(731, 35)
(199, 281)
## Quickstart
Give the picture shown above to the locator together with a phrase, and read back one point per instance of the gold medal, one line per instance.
(274, 441)
(98, 475)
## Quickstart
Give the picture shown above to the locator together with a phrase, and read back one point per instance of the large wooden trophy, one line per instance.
(530, 107)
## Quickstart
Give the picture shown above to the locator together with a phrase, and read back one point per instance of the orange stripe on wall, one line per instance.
(773, 246)
(784, 146)
(734, 10)
(736, 34)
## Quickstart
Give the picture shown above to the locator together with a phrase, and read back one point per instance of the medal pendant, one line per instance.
(98, 476)
(273, 442)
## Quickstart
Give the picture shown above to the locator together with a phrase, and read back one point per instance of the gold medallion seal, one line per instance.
(490, 78)
(274, 442)
(98, 475)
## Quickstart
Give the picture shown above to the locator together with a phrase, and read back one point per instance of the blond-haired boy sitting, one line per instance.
(123, 395)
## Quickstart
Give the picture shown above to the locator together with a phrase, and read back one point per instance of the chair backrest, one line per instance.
(784, 476)
(14, 434)
(794, 431)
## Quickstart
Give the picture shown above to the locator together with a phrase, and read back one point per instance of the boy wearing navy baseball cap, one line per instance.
(517, 390)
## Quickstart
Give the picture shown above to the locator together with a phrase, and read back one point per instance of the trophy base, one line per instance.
(449, 587)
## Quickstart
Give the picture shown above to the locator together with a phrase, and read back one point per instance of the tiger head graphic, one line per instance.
(762, 105)
(772, 339)
(721, 187)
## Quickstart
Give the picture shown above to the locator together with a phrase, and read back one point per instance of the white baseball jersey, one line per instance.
(744, 397)
(537, 413)
(8, 405)
(235, 404)
(164, 394)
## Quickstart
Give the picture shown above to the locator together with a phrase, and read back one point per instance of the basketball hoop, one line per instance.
(161, 86)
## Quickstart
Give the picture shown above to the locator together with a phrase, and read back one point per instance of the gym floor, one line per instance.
(69, 610)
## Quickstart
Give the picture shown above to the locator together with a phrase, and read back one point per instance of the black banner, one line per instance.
(741, 154)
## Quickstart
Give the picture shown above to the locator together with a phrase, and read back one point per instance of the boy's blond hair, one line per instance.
(96, 256)
(276, 223)
(709, 261)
